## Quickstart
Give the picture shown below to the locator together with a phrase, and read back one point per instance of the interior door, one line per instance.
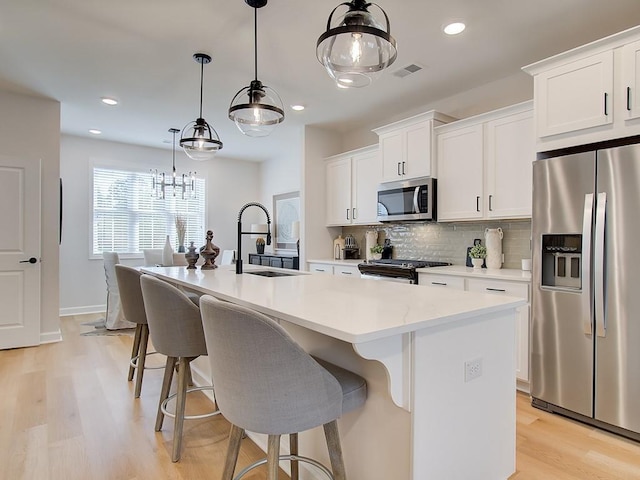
(19, 252)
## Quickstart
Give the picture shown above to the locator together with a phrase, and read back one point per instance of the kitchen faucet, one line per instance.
(240, 232)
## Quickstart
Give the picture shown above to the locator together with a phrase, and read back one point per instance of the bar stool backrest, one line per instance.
(265, 382)
(131, 294)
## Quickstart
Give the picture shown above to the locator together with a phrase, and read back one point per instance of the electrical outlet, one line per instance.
(472, 369)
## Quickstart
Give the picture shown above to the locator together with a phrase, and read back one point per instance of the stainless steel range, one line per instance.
(396, 269)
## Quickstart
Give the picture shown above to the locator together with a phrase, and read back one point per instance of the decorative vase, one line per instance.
(493, 240)
(209, 252)
(260, 248)
(477, 262)
(181, 249)
(167, 253)
(375, 256)
(192, 257)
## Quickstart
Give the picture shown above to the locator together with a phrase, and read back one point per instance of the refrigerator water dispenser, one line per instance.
(562, 261)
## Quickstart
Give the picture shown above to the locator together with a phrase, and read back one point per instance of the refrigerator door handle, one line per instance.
(599, 267)
(587, 220)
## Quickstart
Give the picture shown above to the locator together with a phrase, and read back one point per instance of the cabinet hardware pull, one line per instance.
(629, 98)
(399, 169)
(606, 96)
(438, 283)
(320, 270)
(345, 273)
(477, 204)
(495, 289)
(353, 214)
(347, 214)
(490, 203)
(403, 168)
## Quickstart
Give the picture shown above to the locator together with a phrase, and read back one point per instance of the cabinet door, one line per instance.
(631, 80)
(338, 178)
(460, 169)
(441, 281)
(365, 171)
(346, 270)
(391, 145)
(321, 268)
(417, 158)
(575, 96)
(522, 343)
(510, 152)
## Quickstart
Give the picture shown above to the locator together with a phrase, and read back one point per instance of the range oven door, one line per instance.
(407, 200)
(386, 279)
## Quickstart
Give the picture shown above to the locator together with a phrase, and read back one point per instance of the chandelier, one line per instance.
(184, 183)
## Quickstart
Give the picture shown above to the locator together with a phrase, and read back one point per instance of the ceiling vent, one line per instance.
(408, 70)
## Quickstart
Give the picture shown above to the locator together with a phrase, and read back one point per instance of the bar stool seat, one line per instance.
(176, 330)
(266, 383)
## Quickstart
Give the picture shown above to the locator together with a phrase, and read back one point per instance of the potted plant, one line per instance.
(260, 245)
(478, 253)
(376, 252)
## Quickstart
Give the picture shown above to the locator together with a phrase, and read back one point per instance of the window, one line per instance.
(127, 217)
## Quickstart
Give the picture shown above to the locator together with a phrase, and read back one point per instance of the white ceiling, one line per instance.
(140, 52)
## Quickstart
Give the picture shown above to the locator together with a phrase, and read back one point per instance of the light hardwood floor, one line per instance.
(67, 412)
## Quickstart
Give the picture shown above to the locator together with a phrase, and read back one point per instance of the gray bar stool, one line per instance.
(176, 331)
(133, 308)
(266, 383)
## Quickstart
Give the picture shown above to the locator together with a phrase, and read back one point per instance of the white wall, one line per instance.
(30, 127)
(230, 184)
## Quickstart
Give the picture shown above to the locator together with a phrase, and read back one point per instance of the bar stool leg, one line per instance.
(142, 357)
(181, 399)
(235, 438)
(273, 456)
(134, 350)
(293, 450)
(164, 391)
(335, 450)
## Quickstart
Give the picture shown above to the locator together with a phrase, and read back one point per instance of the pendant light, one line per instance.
(185, 183)
(256, 109)
(356, 48)
(199, 140)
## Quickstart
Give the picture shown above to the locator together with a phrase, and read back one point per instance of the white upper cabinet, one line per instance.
(631, 79)
(485, 165)
(406, 147)
(588, 94)
(575, 96)
(351, 188)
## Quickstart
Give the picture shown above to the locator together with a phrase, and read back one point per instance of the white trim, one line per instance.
(50, 337)
(65, 312)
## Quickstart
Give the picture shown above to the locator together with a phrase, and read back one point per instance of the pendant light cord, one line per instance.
(201, 80)
(174, 151)
(255, 41)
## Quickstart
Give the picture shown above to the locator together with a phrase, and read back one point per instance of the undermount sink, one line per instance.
(270, 273)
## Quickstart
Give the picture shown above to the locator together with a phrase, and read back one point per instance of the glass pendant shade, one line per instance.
(356, 47)
(257, 109)
(198, 139)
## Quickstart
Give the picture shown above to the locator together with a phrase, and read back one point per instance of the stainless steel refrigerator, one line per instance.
(585, 332)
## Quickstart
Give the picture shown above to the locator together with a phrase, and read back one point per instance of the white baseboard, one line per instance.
(50, 337)
(65, 312)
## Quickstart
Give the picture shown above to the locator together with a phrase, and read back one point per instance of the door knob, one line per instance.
(31, 260)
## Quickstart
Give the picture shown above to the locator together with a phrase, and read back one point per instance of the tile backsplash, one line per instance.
(447, 242)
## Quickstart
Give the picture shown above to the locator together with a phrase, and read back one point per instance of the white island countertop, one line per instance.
(349, 309)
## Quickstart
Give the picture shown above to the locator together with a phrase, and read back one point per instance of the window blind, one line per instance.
(127, 217)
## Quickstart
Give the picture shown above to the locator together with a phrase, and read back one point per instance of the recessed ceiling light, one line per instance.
(454, 28)
(297, 108)
(94, 131)
(109, 101)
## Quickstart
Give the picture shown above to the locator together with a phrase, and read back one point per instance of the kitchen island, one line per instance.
(443, 406)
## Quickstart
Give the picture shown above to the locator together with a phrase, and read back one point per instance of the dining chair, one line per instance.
(114, 317)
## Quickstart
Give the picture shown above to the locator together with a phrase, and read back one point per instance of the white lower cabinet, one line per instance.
(495, 287)
(331, 269)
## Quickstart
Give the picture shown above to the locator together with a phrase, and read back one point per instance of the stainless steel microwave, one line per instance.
(407, 200)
